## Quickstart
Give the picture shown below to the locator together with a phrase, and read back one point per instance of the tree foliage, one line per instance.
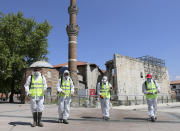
(22, 42)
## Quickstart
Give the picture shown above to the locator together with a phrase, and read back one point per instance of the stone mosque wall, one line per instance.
(129, 75)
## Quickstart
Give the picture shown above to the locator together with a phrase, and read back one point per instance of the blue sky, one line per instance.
(129, 27)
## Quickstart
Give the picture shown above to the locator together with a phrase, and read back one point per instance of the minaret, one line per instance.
(72, 31)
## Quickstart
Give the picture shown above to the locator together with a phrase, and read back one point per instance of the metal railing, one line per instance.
(93, 100)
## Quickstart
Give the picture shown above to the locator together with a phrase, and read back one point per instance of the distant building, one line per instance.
(128, 74)
(88, 74)
(175, 86)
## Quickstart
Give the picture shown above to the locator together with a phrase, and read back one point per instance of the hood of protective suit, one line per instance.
(104, 79)
(66, 71)
(66, 74)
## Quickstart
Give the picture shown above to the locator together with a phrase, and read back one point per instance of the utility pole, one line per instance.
(72, 32)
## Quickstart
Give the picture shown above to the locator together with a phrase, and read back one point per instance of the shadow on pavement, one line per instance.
(133, 118)
(50, 121)
(125, 119)
(90, 117)
(20, 123)
(95, 119)
(87, 118)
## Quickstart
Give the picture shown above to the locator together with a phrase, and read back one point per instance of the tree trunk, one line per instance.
(11, 100)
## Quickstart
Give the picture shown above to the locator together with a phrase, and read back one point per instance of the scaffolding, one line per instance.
(155, 66)
(153, 60)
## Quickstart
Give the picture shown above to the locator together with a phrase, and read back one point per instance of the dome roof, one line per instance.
(41, 64)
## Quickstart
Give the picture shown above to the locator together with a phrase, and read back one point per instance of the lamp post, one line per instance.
(72, 32)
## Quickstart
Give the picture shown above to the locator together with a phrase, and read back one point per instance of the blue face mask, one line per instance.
(149, 79)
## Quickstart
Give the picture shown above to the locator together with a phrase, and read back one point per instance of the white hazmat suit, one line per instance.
(105, 102)
(36, 102)
(64, 101)
(152, 103)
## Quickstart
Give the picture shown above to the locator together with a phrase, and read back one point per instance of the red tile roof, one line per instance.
(65, 64)
(175, 82)
(79, 63)
(59, 65)
(103, 71)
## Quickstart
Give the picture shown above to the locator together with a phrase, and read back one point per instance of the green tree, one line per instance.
(22, 42)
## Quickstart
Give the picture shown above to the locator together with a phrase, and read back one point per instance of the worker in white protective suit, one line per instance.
(65, 88)
(151, 89)
(103, 91)
(35, 86)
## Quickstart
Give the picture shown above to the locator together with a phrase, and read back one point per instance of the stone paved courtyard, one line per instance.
(17, 117)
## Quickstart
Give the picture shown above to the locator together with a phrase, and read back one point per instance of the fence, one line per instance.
(141, 99)
(93, 100)
(4, 97)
